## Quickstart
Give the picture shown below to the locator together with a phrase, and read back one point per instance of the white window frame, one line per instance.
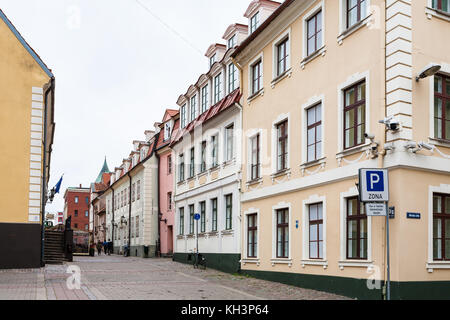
(352, 80)
(213, 147)
(232, 40)
(445, 69)
(309, 104)
(193, 99)
(226, 157)
(183, 118)
(246, 259)
(275, 260)
(251, 135)
(167, 132)
(309, 15)
(344, 262)
(314, 199)
(220, 87)
(430, 11)
(250, 74)
(285, 35)
(257, 20)
(207, 98)
(343, 15)
(431, 264)
(281, 118)
(235, 80)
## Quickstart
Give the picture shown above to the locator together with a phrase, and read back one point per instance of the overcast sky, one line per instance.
(118, 66)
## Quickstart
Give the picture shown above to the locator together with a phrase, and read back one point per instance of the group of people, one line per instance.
(107, 247)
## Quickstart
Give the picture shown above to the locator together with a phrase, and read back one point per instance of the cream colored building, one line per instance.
(316, 77)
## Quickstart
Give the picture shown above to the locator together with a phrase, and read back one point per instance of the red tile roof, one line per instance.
(222, 105)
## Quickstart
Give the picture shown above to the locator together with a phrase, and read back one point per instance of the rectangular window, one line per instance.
(229, 211)
(442, 107)
(356, 11)
(214, 214)
(76, 199)
(314, 39)
(133, 192)
(354, 115)
(443, 5)
(87, 200)
(441, 227)
(192, 163)
(217, 88)
(229, 134)
(138, 191)
(203, 163)
(314, 139)
(205, 95)
(76, 225)
(137, 226)
(181, 169)
(132, 226)
(356, 230)
(252, 236)
(214, 151)
(212, 60)
(169, 200)
(254, 22)
(183, 116)
(232, 42)
(193, 108)
(282, 150)
(167, 132)
(203, 216)
(191, 219)
(282, 56)
(256, 77)
(169, 165)
(181, 221)
(86, 213)
(76, 213)
(232, 78)
(283, 233)
(255, 158)
(316, 231)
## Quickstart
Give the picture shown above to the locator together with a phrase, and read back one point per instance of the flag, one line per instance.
(58, 185)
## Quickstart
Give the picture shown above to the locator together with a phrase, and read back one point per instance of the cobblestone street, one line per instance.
(120, 278)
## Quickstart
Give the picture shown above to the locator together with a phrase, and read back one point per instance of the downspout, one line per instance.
(44, 174)
(159, 204)
(129, 215)
(113, 220)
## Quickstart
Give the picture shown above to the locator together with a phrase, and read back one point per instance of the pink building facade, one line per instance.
(166, 171)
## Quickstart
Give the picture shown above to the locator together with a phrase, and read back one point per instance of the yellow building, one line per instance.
(26, 136)
(317, 77)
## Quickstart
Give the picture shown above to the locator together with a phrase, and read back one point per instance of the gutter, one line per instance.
(129, 215)
(158, 249)
(49, 89)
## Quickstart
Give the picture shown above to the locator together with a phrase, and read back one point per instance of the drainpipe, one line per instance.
(159, 205)
(129, 215)
(113, 221)
(51, 89)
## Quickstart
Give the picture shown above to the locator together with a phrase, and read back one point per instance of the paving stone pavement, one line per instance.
(120, 278)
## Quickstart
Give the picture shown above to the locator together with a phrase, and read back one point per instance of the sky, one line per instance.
(118, 65)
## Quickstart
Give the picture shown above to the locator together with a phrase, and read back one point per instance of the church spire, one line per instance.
(105, 169)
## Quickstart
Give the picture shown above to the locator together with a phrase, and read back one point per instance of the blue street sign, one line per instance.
(197, 216)
(413, 215)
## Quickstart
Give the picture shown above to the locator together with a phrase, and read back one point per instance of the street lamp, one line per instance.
(429, 71)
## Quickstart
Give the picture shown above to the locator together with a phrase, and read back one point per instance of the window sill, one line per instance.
(282, 173)
(250, 261)
(214, 168)
(180, 183)
(255, 95)
(320, 52)
(190, 179)
(314, 163)
(213, 233)
(312, 262)
(281, 261)
(355, 264)
(227, 232)
(430, 12)
(437, 265)
(190, 236)
(353, 29)
(439, 142)
(229, 163)
(353, 150)
(286, 74)
(202, 235)
(201, 174)
(180, 237)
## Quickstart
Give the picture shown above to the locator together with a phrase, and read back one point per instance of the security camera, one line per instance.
(411, 145)
(391, 123)
(426, 146)
(369, 136)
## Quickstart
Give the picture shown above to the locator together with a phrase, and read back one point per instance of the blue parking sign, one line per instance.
(373, 185)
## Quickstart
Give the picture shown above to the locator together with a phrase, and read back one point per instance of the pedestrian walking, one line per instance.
(99, 247)
(105, 247)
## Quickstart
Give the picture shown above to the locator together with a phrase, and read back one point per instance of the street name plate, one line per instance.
(376, 209)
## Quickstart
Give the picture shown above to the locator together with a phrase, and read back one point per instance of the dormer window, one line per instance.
(183, 116)
(167, 131)
(212, 60)
(254, 22)
(193, 108)
(218, 88)
(232, 42)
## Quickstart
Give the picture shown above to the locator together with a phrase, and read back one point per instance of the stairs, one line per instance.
(54, 247)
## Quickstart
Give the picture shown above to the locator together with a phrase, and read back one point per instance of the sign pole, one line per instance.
(388, 287)
(196, 259)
